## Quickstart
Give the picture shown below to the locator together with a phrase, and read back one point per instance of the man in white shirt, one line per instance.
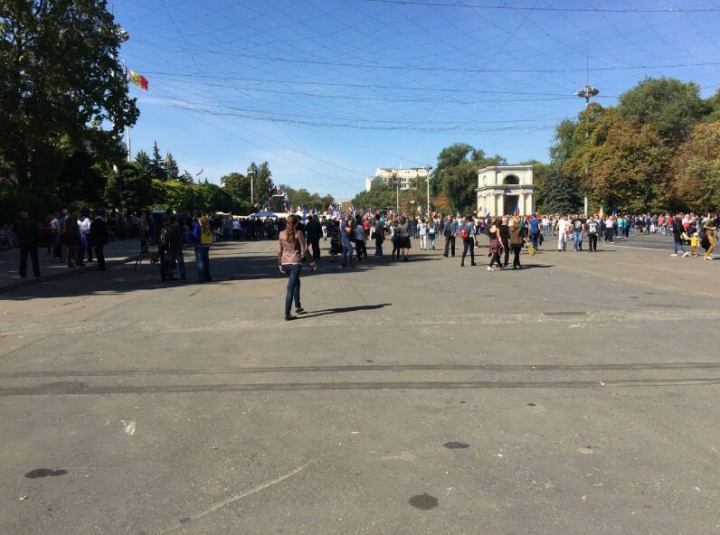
(562, 230)
(84, 224)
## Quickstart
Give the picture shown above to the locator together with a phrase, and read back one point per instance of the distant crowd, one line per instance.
(74, 237)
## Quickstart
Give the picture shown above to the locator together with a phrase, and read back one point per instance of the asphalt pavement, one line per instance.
(576, 395)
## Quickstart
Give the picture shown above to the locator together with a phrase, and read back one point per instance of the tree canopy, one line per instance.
(62, 87)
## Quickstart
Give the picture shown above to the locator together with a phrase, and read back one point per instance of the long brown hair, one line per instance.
(291, 229)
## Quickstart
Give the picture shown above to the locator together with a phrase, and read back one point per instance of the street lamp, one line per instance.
(427, 170)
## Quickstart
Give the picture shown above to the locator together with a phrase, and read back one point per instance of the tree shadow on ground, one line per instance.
(228, 263)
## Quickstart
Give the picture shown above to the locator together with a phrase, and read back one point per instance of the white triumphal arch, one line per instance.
(506, 189)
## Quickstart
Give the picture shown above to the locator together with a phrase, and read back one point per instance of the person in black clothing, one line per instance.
(504, 238)
(28, 236)
(99, 239)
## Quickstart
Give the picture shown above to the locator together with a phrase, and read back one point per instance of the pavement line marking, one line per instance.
(237, 497)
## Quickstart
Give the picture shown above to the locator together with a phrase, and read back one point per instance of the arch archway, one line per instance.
(511, 180)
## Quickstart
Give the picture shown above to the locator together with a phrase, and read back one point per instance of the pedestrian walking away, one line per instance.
(292, 248)
(467, 233)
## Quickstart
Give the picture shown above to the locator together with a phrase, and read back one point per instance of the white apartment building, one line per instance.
(405, 176)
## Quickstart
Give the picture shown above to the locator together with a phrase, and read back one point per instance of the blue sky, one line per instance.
(327, 91)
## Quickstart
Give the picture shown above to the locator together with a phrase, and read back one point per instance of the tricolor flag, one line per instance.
(139, 80)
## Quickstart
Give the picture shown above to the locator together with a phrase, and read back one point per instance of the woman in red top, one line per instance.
(291, 250)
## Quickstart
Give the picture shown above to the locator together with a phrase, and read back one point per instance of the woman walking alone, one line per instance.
(292, 248)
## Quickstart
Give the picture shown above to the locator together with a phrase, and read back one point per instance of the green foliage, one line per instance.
(302, 197)
(456, 171)
(672, 107)
(381, 195)
(131, 187)
(263, 186)
(172, 171)
(143, 160)
(215, 199)
(560, 194)
(237, 186)
(157, 166)
(185, 177)
(697, 167)
(60, 82)
(80, 181)
(12, 202)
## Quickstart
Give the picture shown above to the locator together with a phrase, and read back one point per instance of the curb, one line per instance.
(61, 275)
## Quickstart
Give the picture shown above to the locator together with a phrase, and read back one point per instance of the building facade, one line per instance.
(506, 190)
(404, 176)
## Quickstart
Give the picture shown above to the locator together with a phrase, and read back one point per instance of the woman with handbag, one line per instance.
(495, 246)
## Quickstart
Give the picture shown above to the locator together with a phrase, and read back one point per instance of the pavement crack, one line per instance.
(237, 497)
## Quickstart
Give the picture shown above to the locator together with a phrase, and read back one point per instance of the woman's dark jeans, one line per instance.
(293, 287)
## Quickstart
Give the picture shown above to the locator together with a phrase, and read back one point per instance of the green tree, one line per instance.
(80, 180)
(130, 187)
(381, 195)
(264, 187)
(303, 197)
(237, 186)
(456, 171)
(172, 171)
(185, 177)
(61, 86)
(157, 165)
(216, 199)
(142, 158)
(670, 106)
(561, 193)
(697, 169)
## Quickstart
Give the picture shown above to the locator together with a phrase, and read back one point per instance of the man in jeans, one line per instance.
(677, 229)
(202, 239)
(535, 231)
(449, 232)
(592, 232)
(347, 239)
(578, 226)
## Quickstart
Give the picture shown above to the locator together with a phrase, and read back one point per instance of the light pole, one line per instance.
(587, 93)
(427, 169)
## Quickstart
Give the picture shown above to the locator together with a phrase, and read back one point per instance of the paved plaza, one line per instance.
(578, 395)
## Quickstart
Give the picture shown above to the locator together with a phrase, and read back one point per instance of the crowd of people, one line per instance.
(74, 237)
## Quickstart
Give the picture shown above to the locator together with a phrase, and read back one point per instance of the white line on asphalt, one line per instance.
(239, 497)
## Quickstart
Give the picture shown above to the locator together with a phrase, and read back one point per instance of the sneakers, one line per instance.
(290, 317)
(300, 310)
(674, 254)
(490, 268)
(685, 255)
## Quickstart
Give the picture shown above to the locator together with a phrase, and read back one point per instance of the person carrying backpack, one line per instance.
(467, 234)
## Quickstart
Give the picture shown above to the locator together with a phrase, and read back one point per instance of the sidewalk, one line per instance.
(117, 252)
